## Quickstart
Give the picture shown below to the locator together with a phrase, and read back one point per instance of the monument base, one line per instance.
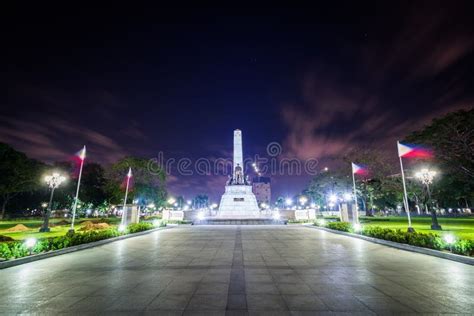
(238, 202)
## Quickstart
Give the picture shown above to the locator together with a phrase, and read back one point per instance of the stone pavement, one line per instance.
(239, 270)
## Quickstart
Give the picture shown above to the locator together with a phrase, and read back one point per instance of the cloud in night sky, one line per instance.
(397, 83)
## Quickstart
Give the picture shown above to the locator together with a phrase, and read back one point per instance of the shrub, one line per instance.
(415, 239)
(5, 238)
(426, 240)
(152, 217)
(139, 227)
(17, 249)
(342, 226)
(464, 247)
(13, 249)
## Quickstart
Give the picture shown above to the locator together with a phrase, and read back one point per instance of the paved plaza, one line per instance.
(239, 270)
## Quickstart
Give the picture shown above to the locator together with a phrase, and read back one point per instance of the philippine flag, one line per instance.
(78, 160)
(129, 179)
(357, 169)
(413, 151)
(81, 154)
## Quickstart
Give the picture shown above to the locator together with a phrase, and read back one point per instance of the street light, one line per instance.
(303, 199)
(53, 182)
(333, 198)
(426, 177)
(288, 202)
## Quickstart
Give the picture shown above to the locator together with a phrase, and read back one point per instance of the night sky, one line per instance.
(320, 81)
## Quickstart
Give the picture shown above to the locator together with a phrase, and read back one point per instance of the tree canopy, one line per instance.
(147, 186)
(452, 138)
(18, 174)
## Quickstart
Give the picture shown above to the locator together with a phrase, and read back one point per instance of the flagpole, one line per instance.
(405, 198)
(83, 157)
(124, 211)
(355, 195)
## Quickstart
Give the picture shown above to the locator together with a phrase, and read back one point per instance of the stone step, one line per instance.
(250, 221)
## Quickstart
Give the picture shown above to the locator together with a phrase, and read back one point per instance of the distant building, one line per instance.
(262, 189)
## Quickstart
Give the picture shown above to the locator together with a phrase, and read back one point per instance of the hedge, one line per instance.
(139, 227)
(342, 226)
(18, 249)
(426, 240)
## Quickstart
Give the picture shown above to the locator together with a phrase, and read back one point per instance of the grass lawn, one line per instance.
(463, 228)
(35, 224)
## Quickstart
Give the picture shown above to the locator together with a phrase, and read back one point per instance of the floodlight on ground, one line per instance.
(200, 216)
(449, 239)
(357, 227)
(156, 222)
(276, 216)
(321, 222)
(30, 243)
(121, 228)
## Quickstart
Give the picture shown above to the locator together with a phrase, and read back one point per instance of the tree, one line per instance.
(452, 138)
(280, 202)
(326, 183)
(18, 174)
(372, 187)
(147, 186)
(93, 184)
(201, 201)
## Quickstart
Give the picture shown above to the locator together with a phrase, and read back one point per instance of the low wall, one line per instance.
(306, 214)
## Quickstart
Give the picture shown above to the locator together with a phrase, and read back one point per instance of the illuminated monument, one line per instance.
(238, 201)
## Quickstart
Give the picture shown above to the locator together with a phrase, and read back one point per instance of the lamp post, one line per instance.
(426, 177)
(53, 182)
(123, 222)
(303, 200)
(82, 157)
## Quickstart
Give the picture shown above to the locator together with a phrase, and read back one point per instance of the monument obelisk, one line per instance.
(238, 200)
(238, 154)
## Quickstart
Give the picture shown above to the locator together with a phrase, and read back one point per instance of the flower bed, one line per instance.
(17, 249)
(426, 240)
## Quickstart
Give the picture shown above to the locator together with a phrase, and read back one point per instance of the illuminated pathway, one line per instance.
(239, 270)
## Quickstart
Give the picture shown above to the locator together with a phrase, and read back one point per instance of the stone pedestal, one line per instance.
(238, 202)
(133, 216)
(169, 215)
(349, 213)
(307, 214)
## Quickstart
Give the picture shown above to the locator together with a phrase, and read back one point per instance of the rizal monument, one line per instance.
(238, 200)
